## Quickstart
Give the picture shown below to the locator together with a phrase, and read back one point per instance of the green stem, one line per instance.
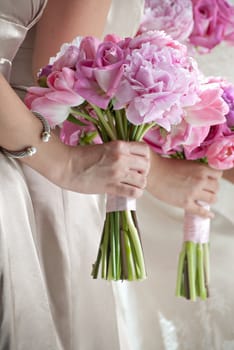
(119, 124)
(105, 247)
(113, 246)
(117, 243)
(137, 244)
(206, 254)
(200, 270)
(84, 115)
(130, 263)
(190, 246)
(180, 271)
(111, 133)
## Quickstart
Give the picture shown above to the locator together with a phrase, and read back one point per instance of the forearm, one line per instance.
(19, 128)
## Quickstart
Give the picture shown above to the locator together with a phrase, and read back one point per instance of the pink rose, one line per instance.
(220, 154)
(99, 76)
(175, 17)
(213, 22)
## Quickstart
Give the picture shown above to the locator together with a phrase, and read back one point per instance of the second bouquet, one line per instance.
(117, 89)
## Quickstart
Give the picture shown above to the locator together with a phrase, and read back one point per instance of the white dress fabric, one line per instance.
(149, 313)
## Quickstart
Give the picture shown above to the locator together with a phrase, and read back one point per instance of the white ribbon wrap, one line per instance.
(196, 228)
(115, 203)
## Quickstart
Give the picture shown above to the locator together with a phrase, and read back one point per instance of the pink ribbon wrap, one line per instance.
(196, 228)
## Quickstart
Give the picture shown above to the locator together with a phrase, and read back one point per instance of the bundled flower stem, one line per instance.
(118, 89)
(120, 255)
(193, 273)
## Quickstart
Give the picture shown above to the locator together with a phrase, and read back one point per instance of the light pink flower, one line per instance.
(181, 135)
(198, 149)
(159, 80)
(211, 109)
(175, 17)
(67, 55)
(220, 154)
(68, 59)
(213, 22)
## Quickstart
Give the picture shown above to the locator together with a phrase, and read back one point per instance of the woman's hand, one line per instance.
(183, 183)
(118, 168)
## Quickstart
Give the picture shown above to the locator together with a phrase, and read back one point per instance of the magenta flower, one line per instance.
(228, 96)
(99, 74)
(175, 17)
(213, 23)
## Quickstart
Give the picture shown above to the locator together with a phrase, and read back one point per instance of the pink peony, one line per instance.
(175, 17)
(220, 154)
(159, 79)
(67, 55)
(213, 23)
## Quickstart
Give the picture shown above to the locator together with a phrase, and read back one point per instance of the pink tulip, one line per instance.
(211, 109)
(54, 102)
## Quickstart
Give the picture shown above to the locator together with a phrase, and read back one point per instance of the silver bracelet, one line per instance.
(30, 150)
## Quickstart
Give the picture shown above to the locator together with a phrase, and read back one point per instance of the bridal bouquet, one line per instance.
(213, 145)
(117, 89)
(200, 23)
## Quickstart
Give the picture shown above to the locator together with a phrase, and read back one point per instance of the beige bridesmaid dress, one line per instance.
(49, 237)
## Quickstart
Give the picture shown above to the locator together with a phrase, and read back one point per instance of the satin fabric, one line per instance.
(49, 240)
(49, 237)
(149, 313)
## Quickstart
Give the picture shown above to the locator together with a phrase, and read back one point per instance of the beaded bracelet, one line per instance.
(30, 150)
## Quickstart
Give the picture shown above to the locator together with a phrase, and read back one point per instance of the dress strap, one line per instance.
(38, 16)
(5, 68)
